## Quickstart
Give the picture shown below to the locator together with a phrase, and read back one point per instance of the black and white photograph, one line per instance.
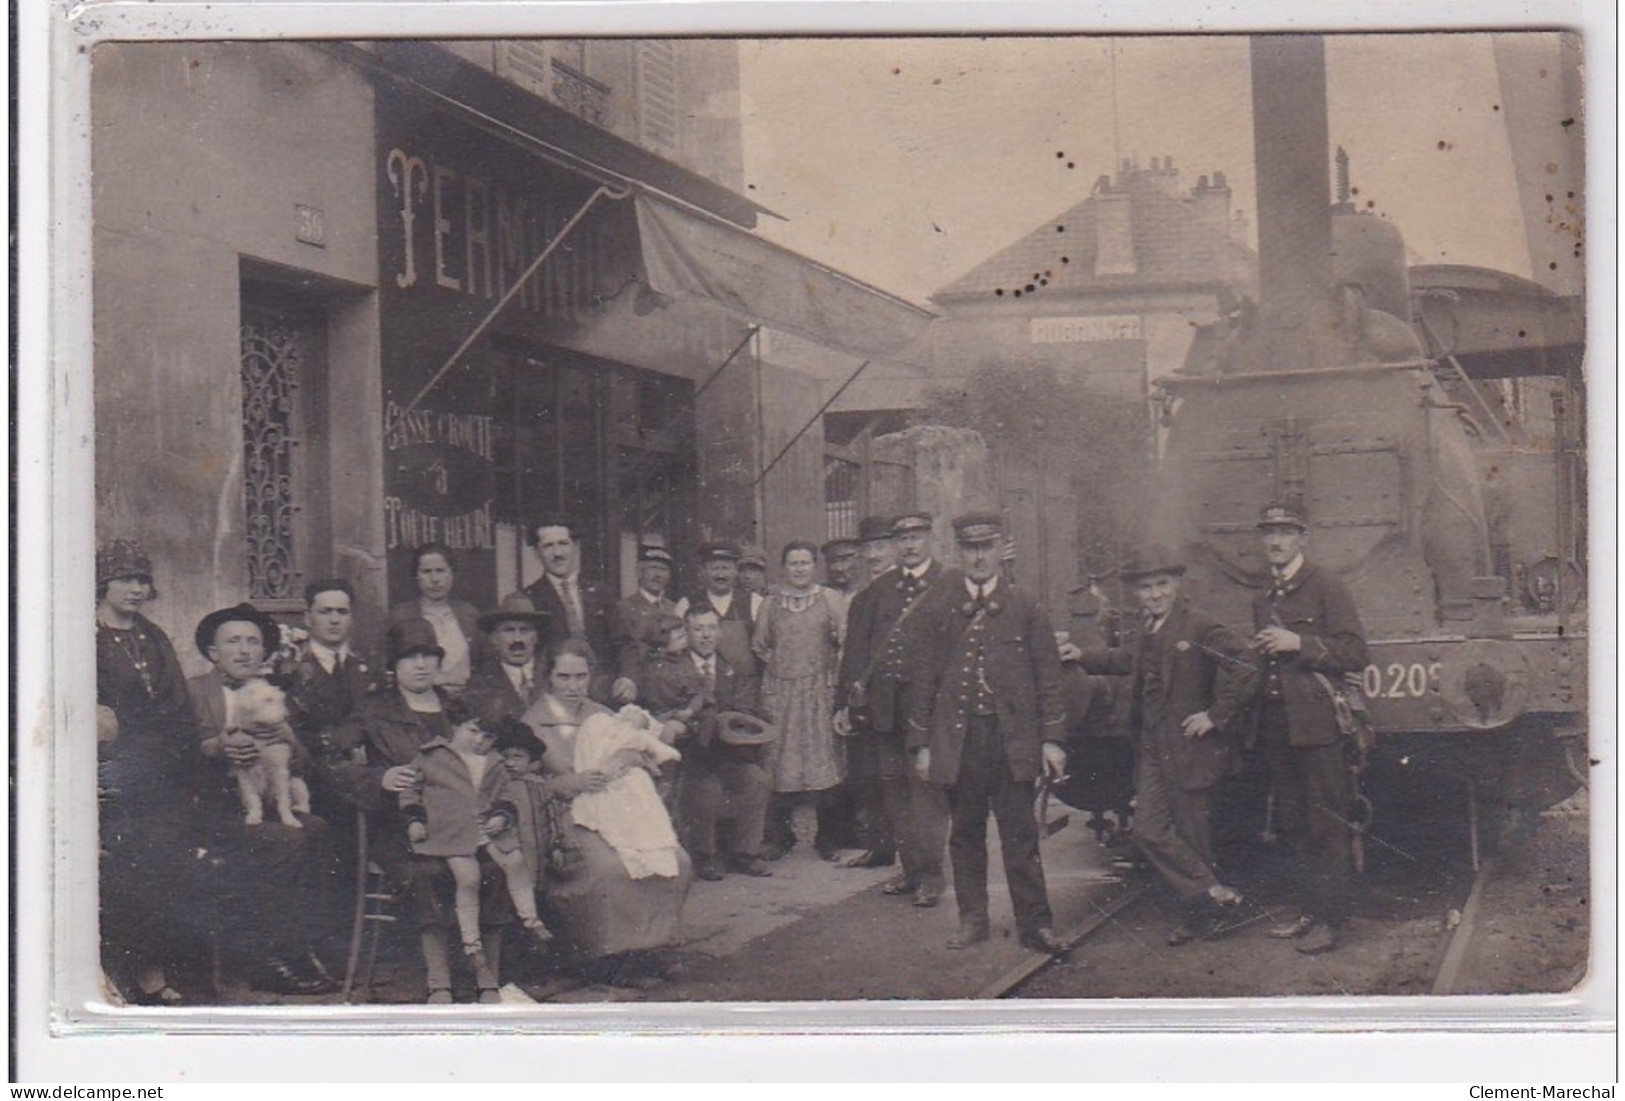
(639, 521)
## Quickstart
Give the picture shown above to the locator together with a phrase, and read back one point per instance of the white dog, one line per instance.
(262, 714)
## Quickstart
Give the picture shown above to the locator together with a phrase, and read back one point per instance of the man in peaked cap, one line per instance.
(1191, 676)
(985, 722)
(753, 577)
(719, 562)
(505, 688)
(840, 564)
(905, 813)
(636, 624)
(1309, 635)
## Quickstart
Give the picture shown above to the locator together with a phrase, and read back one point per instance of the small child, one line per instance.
(461, 805)
(542, 832)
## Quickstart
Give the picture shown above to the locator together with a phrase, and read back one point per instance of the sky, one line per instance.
(905, 162)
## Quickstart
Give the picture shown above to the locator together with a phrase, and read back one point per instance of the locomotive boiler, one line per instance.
(1430, 422)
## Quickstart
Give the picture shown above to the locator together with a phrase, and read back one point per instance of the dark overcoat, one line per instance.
(1021, 664)
(1320, 610)
(873, 661)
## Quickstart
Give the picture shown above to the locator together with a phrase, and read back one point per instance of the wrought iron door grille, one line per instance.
(272, 358)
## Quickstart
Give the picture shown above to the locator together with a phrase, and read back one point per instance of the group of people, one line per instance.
(566, 764)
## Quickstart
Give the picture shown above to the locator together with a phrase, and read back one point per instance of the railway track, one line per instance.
(1445, 974)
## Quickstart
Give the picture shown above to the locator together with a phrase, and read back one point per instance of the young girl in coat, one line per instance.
(461, 805)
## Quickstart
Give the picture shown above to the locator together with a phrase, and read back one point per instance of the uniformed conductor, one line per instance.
(1309, 634)
(985, 721)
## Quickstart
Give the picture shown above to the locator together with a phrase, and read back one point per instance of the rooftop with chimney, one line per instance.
(1139, 230)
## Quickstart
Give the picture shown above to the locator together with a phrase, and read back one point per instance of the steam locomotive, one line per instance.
(1431, 422)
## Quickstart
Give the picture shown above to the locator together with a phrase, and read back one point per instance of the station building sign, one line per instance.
(1093, 329)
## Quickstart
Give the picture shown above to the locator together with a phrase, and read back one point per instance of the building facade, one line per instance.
(354, 297)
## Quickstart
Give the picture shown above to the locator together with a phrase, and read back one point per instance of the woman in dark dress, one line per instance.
(147, 740)
(378, 744)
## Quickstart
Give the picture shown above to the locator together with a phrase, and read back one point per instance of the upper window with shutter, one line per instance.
(659, 119)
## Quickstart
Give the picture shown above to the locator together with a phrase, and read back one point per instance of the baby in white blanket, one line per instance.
(627, 813)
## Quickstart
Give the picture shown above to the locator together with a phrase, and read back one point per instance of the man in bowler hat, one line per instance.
(1190, 677)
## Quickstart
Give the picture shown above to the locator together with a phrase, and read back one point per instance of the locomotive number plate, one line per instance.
(1399, 680)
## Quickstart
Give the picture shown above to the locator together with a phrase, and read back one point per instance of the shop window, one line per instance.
(610, 447)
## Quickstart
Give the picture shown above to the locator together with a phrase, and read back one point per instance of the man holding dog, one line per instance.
(264, 877)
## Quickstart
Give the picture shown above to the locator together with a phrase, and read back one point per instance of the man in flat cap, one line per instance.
(1308, 635)
(985, 722)
(574, 607)
(719, 562)
(1191, 675)
(505, 688)
(636, 624)
(912, 814)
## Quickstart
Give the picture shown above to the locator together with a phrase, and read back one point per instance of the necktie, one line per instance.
(572, 608)
(710, 670)
(526, 687)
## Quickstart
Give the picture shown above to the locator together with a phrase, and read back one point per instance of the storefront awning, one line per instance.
(688, 256)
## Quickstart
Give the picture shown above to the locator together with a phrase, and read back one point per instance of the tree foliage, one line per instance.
(1033, 420)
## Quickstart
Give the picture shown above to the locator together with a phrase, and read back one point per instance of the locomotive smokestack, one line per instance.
(1294, 197)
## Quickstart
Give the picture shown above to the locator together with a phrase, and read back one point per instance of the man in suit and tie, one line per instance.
(869, 700)
(985, 722)
(576, 608)
(506, 688)
(722, 788)
(637, 619)
(268, 895)
(736, 625)
(1309, 636)
(1191, 675)
(331, 676)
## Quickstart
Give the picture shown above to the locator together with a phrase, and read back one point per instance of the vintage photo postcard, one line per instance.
(598, 528)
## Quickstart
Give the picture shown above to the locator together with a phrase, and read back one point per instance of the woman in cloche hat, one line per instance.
(145, 742)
